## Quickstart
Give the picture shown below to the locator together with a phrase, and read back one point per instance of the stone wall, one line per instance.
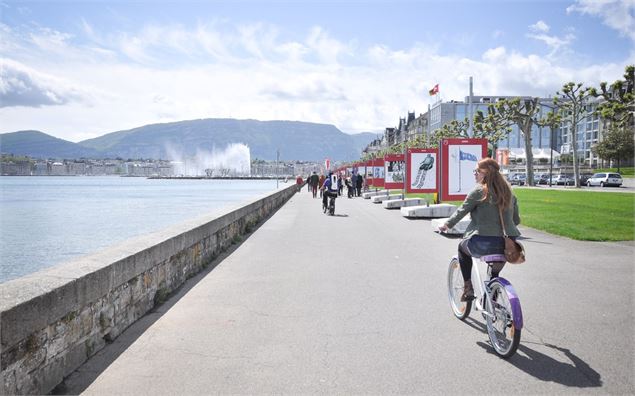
(52, 321)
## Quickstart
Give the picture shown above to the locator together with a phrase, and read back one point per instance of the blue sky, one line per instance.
(79, 69)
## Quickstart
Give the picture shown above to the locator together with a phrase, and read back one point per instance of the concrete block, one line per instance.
(382, 198)
(400, 203)
(435, 210)
(370, 194)
(458, 229)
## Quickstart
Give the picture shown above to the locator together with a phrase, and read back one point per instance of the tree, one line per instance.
(619, 99)
(522, 113)
(553, 120)
(420, 141)
(618, 111)
(492, 127)
(451, 130)
(616, 145)
(572, 102)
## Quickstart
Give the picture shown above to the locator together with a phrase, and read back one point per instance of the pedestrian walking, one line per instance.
(314, 182)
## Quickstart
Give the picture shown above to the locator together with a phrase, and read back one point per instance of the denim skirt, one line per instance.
(482, 245)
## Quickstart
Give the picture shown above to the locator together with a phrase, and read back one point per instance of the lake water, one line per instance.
(48, 220)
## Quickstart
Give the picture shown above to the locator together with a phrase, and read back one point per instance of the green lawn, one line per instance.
(577, 214)
(581, 215)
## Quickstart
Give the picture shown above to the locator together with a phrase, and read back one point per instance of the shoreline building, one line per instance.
(543, 138)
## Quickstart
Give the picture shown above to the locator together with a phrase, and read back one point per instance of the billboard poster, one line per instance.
(378, 172)
(422, 172)
(459, 158)
(394, 169)
(369, 172)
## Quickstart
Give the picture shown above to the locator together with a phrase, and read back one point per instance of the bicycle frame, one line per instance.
(483, 290)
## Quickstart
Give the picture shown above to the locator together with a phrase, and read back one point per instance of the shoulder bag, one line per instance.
(514, 251)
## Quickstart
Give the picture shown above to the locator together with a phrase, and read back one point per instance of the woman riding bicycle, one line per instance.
(484, 234)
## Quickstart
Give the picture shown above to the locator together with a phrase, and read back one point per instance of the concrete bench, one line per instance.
(435, 210)
(400, 203)
(382, 198)
(458, 229)
(370, 194)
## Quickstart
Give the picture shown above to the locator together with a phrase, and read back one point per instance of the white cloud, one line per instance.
(556, 44)
(23, 86)
(616, 14)
(539, 26)
(212, 70)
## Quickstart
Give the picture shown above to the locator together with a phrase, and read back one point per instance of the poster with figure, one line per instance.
(378, 172)
(394, 169)
(460, 157)
(422, 170)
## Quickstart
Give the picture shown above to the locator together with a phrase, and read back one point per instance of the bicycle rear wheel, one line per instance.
(501, 328)
(461, 309)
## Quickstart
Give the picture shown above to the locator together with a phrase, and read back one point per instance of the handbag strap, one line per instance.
(500, 214)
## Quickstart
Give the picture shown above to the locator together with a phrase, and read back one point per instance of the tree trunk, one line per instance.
(574, 144)
(525, 128)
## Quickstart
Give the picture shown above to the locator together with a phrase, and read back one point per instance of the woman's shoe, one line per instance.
(468, 291)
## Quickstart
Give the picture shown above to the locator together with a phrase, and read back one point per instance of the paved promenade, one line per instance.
(357, 304)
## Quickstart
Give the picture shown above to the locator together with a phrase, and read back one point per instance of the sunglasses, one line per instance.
(476, 172)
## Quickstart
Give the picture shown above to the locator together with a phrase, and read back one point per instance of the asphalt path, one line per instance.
(357, 304)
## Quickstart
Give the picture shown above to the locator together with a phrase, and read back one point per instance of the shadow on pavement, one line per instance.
(575, 373)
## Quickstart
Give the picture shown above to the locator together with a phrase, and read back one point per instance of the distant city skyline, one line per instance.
(79, 69)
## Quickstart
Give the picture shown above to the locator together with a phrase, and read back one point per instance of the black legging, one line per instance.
(465, 260)
(326, 195)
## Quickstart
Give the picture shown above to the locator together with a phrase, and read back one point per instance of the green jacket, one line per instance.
(484, 214)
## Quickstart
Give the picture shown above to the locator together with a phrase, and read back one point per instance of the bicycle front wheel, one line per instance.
(461, 309)
(501, 327)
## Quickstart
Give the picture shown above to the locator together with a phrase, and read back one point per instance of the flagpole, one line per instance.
(459, 171)
(469, 111)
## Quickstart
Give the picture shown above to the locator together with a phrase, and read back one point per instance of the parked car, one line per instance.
(518, 179)
(584, 177)
(541, 178)
(605, 179)
(564, 179)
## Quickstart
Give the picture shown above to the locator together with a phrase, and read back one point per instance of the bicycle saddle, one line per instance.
(490, 258)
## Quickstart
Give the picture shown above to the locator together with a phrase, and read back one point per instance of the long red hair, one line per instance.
(494, 184)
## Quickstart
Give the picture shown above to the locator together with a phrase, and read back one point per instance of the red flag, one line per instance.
(434, 90)
(327, 164)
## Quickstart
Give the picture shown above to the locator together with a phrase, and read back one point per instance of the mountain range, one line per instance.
(295, 140)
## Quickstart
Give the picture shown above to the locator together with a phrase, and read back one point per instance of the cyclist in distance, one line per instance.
(484, 234)
(330, 190)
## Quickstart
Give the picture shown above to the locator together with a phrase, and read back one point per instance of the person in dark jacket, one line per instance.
(314, 181)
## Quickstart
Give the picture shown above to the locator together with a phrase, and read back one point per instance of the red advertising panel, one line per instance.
(378, 172)
(369, 172)
(458, 160)
(393, 171)
(422, 171)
